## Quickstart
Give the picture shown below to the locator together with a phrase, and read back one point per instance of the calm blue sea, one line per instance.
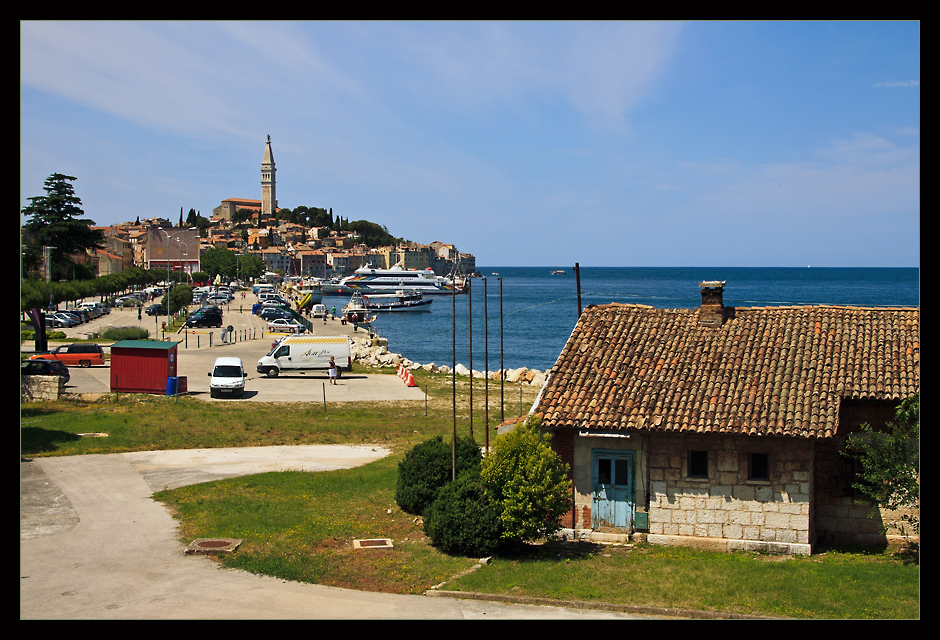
(530, 312)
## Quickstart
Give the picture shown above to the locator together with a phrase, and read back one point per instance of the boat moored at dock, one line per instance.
(398, 301)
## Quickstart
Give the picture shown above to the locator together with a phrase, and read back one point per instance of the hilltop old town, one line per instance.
(260, 228)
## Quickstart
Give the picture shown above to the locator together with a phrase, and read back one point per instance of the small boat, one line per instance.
(356, 311)
(559, 272)
(398, 301)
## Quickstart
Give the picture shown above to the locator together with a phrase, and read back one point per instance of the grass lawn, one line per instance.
(300, 526)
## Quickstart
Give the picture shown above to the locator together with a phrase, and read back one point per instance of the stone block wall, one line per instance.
(40, 388)
(726, 509)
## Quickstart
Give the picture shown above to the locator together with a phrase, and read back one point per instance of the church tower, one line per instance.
(268, 191)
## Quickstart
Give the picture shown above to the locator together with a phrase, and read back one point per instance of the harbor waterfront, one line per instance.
(534, 316)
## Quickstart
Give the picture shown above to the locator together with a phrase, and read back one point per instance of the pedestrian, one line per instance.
(332, 370)
(333, 312)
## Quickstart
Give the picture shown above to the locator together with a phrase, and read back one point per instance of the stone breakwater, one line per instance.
(373, 352)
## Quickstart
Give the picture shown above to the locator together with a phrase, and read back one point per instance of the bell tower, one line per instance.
(268, 190)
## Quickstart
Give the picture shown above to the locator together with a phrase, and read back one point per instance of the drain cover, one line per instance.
(375, 543)
(213, 545)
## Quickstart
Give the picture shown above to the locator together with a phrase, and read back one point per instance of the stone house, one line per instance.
(722, 427)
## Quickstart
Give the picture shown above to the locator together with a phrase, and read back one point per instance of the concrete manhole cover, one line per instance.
(212, 545)
(375, 543)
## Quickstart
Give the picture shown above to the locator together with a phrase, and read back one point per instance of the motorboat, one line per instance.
(368, 280)
(399, 301)
(356, 311)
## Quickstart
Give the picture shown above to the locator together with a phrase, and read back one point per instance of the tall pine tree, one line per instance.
(56, 222)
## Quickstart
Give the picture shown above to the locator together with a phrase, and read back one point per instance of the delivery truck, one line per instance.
(300, 354)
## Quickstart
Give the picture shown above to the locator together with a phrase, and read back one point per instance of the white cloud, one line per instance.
(899, 83)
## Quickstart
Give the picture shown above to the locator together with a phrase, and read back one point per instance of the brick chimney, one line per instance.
(712, 311)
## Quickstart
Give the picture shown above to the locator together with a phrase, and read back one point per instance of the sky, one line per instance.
(522, 143)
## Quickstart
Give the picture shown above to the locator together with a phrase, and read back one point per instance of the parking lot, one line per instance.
(196, 357)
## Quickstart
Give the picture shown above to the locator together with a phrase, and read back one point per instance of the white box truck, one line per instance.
(307, 353)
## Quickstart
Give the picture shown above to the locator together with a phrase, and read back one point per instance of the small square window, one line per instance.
(698, 464)
(758, 467)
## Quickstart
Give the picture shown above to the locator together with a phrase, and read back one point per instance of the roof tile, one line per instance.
(779, 370)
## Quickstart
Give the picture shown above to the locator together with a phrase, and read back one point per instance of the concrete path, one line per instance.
(95, 545)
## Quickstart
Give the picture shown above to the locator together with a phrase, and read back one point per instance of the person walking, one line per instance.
(332, 370)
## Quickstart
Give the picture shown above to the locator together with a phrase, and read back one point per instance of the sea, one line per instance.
(516, 317)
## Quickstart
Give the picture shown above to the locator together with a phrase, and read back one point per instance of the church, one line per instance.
(266, 207)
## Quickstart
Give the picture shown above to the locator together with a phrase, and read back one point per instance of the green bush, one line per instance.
(463, 520)
(529, 482)
(27, 335)
(125, 333)
(427, 467)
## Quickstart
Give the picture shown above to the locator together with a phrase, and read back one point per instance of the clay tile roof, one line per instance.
(766, 371)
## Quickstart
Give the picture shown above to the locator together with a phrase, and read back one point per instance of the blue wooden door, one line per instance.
(612, 489)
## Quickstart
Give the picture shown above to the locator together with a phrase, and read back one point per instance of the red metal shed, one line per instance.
(142, 366)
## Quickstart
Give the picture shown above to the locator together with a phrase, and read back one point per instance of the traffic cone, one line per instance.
(411, 380)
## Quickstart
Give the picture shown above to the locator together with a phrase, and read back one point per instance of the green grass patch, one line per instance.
(142, 422)
(832, 585)
(301, 526)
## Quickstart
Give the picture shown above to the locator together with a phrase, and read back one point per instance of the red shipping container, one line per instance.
(142, 366)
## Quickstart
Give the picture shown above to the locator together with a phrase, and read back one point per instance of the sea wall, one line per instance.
(373, 352)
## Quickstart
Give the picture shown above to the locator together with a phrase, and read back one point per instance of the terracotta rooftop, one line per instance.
(760, 371)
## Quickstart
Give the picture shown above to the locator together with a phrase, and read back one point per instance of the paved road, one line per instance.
(95, 545)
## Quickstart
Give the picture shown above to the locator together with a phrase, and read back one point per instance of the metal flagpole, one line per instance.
(486, 366)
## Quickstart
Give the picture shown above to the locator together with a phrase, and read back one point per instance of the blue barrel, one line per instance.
(172, 386)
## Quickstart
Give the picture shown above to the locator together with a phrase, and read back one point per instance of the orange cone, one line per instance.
(411, 380)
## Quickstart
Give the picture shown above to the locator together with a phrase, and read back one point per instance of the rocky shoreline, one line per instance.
(373, 352)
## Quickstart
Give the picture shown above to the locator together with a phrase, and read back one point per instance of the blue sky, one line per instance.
(523, 143)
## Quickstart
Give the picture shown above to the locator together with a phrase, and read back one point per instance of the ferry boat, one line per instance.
(368, 280)
(398, 301)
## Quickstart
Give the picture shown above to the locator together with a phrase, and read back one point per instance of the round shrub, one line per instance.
(463, 520)
(529, 482)
(427, 467)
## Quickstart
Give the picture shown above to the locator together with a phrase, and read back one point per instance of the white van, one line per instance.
(96, 309)
(318, 310)
(307, 353)
(227, 378)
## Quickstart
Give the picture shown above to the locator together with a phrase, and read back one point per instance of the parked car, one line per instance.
(79, 354)
(67, 319)
(45, 368)
(155, 310)
(286, 325)
(227, 378)
(83, 314)
(270, 313)
(128, 301)
(96, 309)
(53, 322)
(205, 317)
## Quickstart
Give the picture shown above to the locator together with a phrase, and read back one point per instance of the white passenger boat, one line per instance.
(398, 301)
(367, 281)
